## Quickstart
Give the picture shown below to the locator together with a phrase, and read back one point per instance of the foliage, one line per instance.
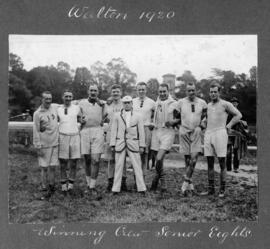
(152, 88)
(19, 94)
(240, 86)
(15, 62)
(81, 83)
(27, 86)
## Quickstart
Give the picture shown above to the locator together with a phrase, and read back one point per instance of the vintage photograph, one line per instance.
(132, 128)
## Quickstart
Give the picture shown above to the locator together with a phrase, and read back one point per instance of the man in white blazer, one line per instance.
(127, 137)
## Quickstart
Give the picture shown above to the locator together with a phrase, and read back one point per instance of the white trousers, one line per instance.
(135, 159)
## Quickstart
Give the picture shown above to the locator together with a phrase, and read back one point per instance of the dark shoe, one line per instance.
(115, 193)
(52, 189)
(143, 193)
(154, 184)
(87, 191)
(46, 196)
(209, 192)
(211, 188)
(163, 184)
(163, 190)
(153, 188)
(94, 194)
(221, 194)
(124, 185)
(43, 189)
(193, 192)
(110, 184)
(71, 192)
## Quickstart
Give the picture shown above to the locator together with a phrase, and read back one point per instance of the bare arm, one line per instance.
(203, 119)
(36, 131)
(236, 115)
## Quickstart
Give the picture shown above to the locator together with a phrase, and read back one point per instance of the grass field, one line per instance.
(25, 206)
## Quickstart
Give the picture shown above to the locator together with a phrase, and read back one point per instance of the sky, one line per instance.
(148, 56)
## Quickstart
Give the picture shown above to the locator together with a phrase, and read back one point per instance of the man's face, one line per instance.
(214, 94)
(127, 105)
(191, 92)
(116, 94)
(141, 91)
(46, 100)
(67, 98)
(93, 92)
(163, 93)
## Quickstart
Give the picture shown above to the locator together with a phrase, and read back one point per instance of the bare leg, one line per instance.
(160, 175)
(190, 161)
(192, 164)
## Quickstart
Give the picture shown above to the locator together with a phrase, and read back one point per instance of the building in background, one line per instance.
(169, 79)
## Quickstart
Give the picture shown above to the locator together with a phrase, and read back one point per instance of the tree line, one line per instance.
(25, 87)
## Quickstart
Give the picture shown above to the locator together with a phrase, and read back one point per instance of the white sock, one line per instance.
(92, 183)
(185, 186)
(70, 185)
(191, 186)
(88, 180)
(64, 187)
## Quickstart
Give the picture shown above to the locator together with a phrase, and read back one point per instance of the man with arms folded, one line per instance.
(45, 140)
(192, 110)
(114, 105)
(69, 140)
(163, 134)
(145, 107)
(216, 136)
(127, 137)
(92, 136)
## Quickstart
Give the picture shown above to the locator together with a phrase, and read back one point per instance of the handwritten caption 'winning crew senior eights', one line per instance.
(111, 13)
(165, 232)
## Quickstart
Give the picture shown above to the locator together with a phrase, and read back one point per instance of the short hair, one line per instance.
(45, 92)
(142, 84)
(93, 84)
(67, 90)
(190, 84)
(164, 85)
(116, 86)
(215, 84)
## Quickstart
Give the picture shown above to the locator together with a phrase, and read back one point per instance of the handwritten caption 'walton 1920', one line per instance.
(165, 232)
(110, 13)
